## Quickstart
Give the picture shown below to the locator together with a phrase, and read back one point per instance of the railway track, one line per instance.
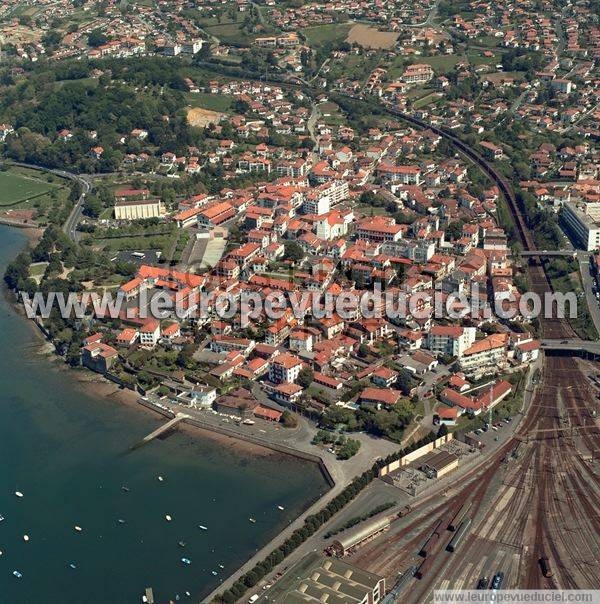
(562, 497)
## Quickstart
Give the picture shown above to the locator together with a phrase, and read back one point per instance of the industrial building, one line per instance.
(353, 538)
(317, 578)
(439, 463)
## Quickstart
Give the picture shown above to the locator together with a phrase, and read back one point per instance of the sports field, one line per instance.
(15, 188)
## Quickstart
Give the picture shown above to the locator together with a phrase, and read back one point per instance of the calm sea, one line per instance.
(68, 453)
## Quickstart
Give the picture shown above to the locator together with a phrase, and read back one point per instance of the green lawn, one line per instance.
(426, 100)
(213, 102)
(137, 242)
(230, 32)
(318, 35)
(16, 188)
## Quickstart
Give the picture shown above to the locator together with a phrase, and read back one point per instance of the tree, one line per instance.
(305, 377)
(293, 251)
(364, 351)
(97, 38)
(92, 206)
(349, 449)
(289, 419)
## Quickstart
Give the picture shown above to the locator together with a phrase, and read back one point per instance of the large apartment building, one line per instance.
(450, 339)
(583, 221)
(485, 356)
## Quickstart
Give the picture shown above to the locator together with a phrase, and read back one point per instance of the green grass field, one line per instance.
(230, 32)
(318, 35)
(213, 102)
(16, 188)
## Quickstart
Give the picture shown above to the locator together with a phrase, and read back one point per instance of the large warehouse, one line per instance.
(361, 534)
(439, 463)
(319, 579)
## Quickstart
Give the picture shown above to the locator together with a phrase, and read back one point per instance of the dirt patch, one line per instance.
(369, 37)
(196, 116)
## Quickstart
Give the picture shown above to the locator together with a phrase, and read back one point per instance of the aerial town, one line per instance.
(443, 152)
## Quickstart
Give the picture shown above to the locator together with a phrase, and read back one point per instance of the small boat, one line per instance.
(17, 574)
(186, 561)
(248, 422)
(121, 521)
(213, 572)
(188, 594)
(73, 566)
(280, 507)
(252, 520)
(221, 566)
(125, 488)
(18, 494)
(168, 518)
(1, 518)
(181, 543)
(160, 479)
(25, 538)
(201, 527)
(78, 529)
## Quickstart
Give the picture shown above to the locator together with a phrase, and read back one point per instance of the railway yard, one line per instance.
(530, 511)
(536, 497)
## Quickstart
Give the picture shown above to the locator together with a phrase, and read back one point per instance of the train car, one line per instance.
(459, 517)
(458, 536)
(430, 541)
(424, 568)
(405, 510)
(497, 580)
(545, 566)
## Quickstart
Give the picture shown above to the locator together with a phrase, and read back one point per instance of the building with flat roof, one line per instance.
(318, 579)
(583, 221)
(139, 209)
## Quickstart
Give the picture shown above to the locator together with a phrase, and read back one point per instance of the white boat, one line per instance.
(248, 422)
(186, 561)
(17, 574)
(73, 566)
(168, 518)
(200, 526)
(78, 529)
(1, 518)
(221, 566)
(252, 520)
(213, 572)
(18, 494)
(121, 521)
(26, 538)
(160, 478)
(280, 507)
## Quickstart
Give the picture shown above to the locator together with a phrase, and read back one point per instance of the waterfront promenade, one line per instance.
(290, 441)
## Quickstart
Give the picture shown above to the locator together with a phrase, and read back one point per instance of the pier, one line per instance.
(162, 429)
